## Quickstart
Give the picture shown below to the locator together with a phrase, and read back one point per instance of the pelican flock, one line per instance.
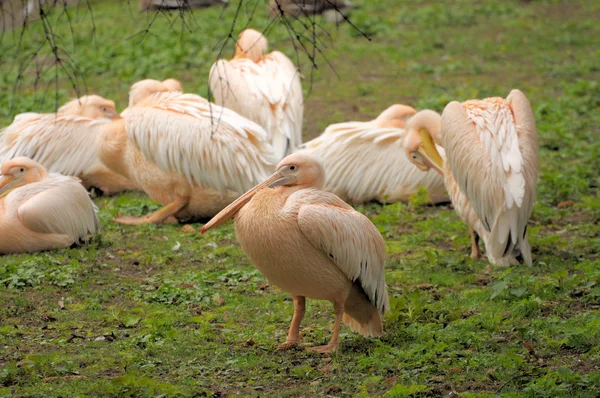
(242, 157)
(189, 155)
(356, 155)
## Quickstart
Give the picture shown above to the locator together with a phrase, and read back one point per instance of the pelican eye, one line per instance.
(292, 167)
(22, 170)
(414, 156)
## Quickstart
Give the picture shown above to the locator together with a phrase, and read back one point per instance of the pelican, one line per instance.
(312, 244)
(40, 210)
(490, 170)
(64, 142)
(189, 155)
(265, 88)
(364, 161)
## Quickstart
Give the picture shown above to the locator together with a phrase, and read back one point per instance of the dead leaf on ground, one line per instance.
(456, 370)
(566, 203)
(188, 228)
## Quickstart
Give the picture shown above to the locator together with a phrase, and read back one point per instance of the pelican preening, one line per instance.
(64, 142)
(490, 170)
(191, 156)
(264, 88)
(41, 210)
(364, 161)
(312, 244)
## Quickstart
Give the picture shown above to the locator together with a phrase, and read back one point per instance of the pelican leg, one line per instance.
(164, 215)
(333, 343)
(475, 252)
(293, 337)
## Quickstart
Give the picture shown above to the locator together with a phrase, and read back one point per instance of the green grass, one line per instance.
(129, 316)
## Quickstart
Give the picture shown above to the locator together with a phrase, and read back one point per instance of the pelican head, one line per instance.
(172, 85)
(146, 87)
(422, 133)
(296, 170)
(251, 44)
(18, 172)
(90, 106)
(395, 116)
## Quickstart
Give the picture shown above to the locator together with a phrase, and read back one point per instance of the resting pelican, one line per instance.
(191, 156)
(364, 161)
(265, 88)
(490, 171)
(64, 142)
(41, 211)
(312, 244)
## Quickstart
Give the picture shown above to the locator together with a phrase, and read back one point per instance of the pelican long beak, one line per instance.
(275, 180)
(429, 152)
(7, 184)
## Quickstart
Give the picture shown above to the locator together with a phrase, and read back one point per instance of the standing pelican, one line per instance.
(64, 142)
(491, 168)
(265, 88)
(191, 156)
(355, 153)
(41, 211)
(312, 244)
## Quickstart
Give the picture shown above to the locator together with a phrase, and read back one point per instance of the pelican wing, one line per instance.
(56, 205)
(349, 238)
(363, 163)
(484, 150)
(286, 82)
(61, 143)
(268, 93)
(205, 143)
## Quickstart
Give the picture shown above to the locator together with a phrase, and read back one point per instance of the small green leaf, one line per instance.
(498, 288)
(130, 321)
(519, 291)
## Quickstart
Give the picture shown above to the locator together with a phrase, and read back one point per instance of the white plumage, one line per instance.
(59, 142)
(490, 169)
(64, 142)
(203, 142)
(489, 146)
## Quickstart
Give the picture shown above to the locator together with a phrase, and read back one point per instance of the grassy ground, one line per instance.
(129, 315)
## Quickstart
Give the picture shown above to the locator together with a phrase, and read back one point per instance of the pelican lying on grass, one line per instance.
(364, 161)
(64, 142)
(263, 87)
(490, 170)
(41, 211)
(189, 155)
(312, 244)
